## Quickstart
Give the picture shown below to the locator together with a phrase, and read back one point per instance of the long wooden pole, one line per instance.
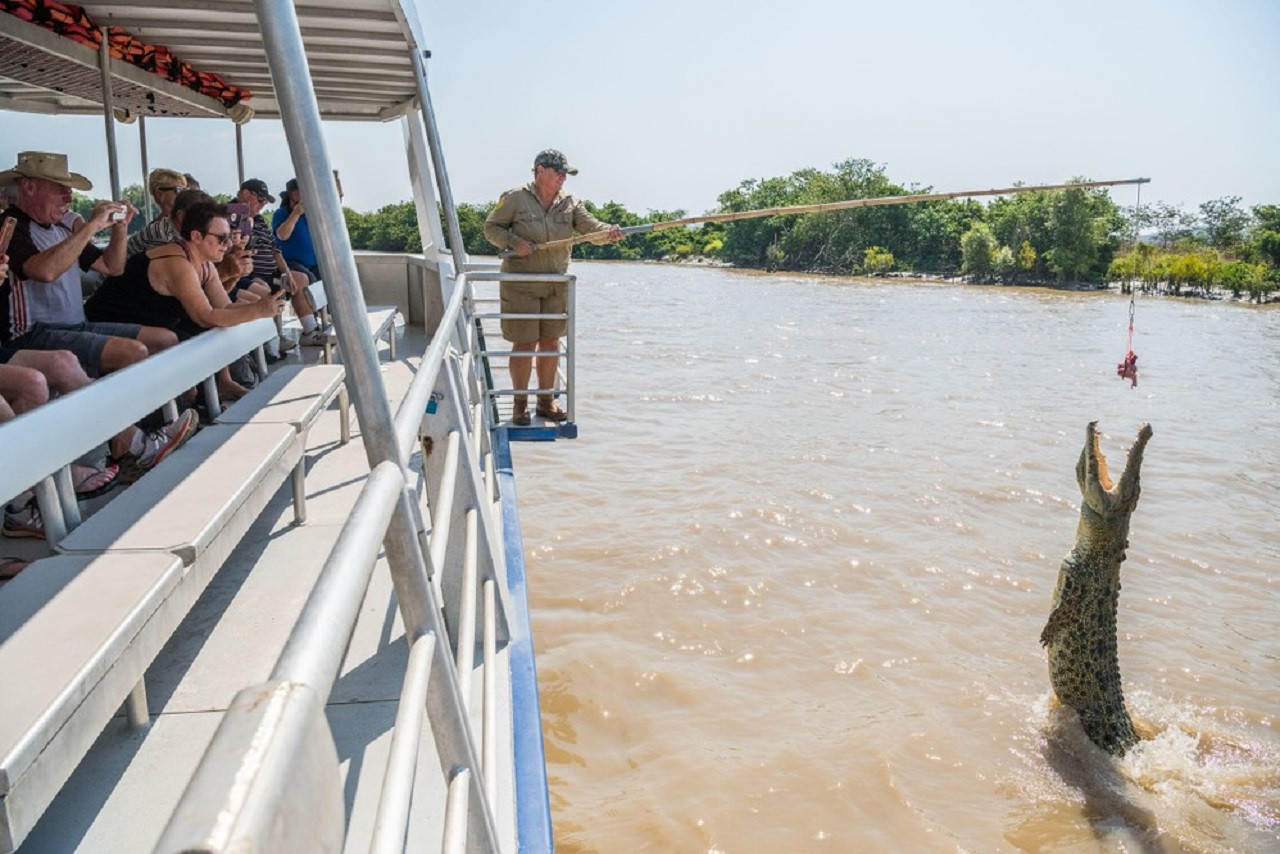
(832, 206)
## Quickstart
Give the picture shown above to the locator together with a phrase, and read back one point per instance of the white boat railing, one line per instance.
(270, 778)
(244, 794)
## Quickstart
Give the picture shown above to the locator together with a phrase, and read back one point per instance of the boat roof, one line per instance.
(359, 52)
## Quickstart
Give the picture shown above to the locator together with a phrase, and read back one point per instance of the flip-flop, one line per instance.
(96, 482)
(11, 566)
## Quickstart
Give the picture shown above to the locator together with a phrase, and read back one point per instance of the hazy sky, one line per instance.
(665, 105)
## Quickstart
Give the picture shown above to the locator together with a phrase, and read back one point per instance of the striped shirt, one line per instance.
(25, 301)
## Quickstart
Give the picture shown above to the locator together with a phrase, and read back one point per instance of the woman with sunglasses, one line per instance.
(176, 285)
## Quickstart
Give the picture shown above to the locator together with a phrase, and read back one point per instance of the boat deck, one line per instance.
(126, 789)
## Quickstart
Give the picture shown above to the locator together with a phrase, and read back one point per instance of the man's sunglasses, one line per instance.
(223, 238)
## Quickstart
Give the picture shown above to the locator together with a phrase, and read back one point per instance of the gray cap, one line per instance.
(555, 160)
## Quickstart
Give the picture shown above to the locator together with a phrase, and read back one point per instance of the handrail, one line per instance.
(57, 433)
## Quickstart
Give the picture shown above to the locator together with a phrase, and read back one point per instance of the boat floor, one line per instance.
(123, 792)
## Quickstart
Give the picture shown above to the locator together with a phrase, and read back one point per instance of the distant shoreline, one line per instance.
(1213, 295)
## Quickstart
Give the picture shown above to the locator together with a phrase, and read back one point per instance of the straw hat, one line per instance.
(46, 165)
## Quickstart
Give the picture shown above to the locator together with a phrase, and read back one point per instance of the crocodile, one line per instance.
(1080, 635)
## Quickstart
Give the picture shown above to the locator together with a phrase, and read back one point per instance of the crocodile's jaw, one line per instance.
(1080, 635)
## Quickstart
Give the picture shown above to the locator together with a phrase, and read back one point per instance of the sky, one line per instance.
(665, 105)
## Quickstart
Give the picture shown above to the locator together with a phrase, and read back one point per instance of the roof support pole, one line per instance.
(291, 77)
(424, 193)
(146, 168)
(240, 154)
(437, 160)
(108, 112)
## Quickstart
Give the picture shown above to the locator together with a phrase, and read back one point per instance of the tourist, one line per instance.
(51, 247)
(269, 263)
(164, 186)
(536, 213)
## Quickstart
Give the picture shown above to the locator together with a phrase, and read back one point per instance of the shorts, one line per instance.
(7, 353)
(534, 298)
(86, 340)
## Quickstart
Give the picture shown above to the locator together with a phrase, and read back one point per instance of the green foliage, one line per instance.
(978, 249)
(1225, 222)
(876, 261)
(1068, 235)
(1004, 264)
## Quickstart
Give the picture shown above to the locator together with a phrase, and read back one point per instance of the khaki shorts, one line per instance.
(533, 298)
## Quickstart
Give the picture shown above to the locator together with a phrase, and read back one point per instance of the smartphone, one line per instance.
(117, 216)
(6, 233)
(240, 219)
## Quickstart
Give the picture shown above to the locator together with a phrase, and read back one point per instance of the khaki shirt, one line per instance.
(519, 214)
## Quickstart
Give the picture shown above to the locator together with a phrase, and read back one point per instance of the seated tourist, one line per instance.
(42, 305)
(175, 286)
(270, 266)
(26, 379)
(164, 186)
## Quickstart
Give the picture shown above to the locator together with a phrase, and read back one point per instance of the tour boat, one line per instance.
(307, 628)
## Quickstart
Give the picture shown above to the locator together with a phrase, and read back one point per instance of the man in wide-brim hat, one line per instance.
(43, 305)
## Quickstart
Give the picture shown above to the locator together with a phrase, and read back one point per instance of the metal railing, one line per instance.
(245, 793)
(566, 372)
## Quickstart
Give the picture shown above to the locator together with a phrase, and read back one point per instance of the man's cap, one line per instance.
(46, 165)
(165, 178)
(289, 187)
(258, 187)
(554, 159)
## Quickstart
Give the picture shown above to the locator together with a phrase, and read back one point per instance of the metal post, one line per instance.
(108, 113)
(424, 196)
(572, 348)
(240, 153)
(291, 77)
(146, 169)
(437, 160)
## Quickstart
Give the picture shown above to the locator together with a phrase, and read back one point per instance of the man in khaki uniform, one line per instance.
(524, 217)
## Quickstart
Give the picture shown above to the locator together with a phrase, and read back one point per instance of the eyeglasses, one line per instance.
(168, 189)
(223, 238)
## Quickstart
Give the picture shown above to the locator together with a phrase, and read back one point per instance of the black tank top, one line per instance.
(129, 298)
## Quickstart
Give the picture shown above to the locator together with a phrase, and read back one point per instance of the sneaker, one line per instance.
(287, 344)
(314, 338)
(158, 444)
(23, 520)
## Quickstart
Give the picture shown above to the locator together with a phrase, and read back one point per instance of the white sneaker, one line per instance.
(314, 338)
(287, 344)
(158, 444)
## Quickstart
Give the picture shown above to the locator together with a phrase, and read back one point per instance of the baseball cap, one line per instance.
(555, 160)
(258, 187)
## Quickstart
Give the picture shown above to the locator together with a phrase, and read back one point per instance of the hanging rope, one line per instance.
(1128, 367)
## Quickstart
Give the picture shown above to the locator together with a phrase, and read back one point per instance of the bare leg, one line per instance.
(123, 352)
(156, 339)
(23, 388)
(521, 367)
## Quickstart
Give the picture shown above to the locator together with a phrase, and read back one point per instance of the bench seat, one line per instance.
(202, 499)
(77, 633)
(295, 395)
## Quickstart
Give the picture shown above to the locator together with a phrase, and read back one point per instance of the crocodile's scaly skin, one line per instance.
(1081, 633)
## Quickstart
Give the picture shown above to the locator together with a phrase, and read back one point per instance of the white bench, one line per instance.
(76, 636)
(78, 630)
(183, 519)
(294, 394)
(381, 319)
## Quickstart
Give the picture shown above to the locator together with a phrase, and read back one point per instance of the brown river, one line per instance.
(787, 586)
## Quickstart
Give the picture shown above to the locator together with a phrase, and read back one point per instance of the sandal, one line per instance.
(548, 411)
(11, 566)
(520, 414)
(91, 482)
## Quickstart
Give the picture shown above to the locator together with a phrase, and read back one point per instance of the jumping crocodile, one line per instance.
(1081, 633)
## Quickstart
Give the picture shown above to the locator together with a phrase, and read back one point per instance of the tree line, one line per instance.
(1056, 237)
